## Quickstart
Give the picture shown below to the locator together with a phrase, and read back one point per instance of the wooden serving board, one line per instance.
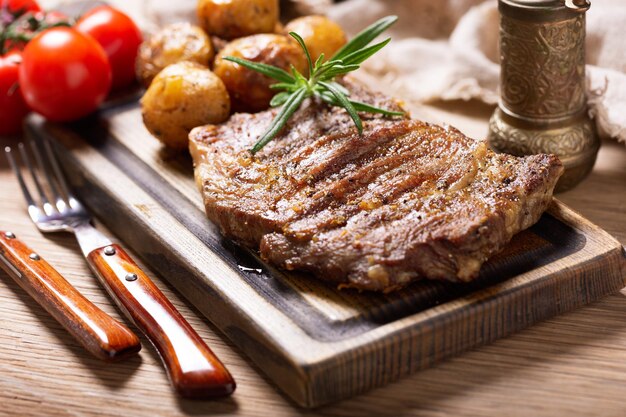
(319, 344)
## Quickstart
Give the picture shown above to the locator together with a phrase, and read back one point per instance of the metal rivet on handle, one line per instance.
(131, 276)
(9, 235)
(109, 250)
(34, 257)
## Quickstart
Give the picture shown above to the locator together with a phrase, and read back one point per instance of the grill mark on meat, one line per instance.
(301, 178)
(352, 177)
(404, 201)
(332, 152)
(376, 183)
(382, 160)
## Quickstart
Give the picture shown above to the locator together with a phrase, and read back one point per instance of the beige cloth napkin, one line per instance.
(448, 49)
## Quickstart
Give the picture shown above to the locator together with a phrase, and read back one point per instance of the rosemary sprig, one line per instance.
(293, 88)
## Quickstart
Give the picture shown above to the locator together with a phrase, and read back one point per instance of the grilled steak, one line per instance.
(403, 201)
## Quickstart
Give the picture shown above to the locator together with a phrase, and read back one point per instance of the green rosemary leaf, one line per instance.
(328, 97)
(345, 103)
(271, 71)
(359, 106)
(319, 62)
(304, 48)
(289, 108)
(343, 69)
(366, 36)
(298, 76)
(373, 109)
(340, 87)
(361, 55)
(291, 87)
(337, 70)
(325, 67)
(280, 98)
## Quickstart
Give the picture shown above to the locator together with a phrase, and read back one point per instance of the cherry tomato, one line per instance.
(119, 36)
(64, 74)
(28, 25)
(18, 7)
(12, 105)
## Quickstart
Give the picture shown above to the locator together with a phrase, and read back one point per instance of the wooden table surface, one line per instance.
(572, 365)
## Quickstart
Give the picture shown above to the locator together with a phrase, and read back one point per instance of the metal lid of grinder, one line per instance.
(543, 10)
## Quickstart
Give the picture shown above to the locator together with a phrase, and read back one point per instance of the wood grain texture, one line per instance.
(194, 370)
(572, 365)
(318, 344)
(98, 332)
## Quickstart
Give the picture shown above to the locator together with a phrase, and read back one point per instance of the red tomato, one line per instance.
(29, 24)
(20, 6)
(119, 36)
(12, 105)
(64, 74)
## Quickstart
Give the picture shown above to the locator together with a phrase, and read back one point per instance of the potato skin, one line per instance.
(249, 90)
(230, 19)
(320, 34)
(174, 43)
(183, 96)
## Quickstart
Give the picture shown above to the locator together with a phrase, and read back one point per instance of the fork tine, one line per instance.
(47, 207)
(57, 197)
(59, 175)
(9, 154)
(55, 167)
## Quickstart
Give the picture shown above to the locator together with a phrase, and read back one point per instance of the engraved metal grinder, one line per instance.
(542, 106)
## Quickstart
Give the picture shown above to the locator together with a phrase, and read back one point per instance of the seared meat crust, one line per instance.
(405, 200)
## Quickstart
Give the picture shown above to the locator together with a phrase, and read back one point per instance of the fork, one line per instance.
(193, 369)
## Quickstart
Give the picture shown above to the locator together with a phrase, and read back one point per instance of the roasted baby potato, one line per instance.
(174, 43)
(320, 34)
(183, 96)
(249, 90)
(230, 19)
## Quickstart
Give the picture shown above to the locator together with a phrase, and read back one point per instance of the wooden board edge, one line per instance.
(551, 297)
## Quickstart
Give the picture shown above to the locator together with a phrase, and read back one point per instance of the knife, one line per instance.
(98, 332)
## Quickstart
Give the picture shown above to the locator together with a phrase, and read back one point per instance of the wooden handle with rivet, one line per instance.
(193, 369)
(98, 332)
